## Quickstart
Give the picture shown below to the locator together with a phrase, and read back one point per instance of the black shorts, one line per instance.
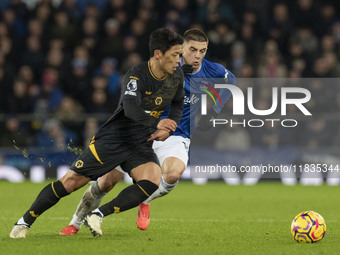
(97, 160)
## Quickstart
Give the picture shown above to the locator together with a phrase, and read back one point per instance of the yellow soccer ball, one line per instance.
(308, 227)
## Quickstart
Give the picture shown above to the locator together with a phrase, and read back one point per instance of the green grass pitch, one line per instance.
(208, 219)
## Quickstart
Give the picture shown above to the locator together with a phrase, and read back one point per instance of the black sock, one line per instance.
(48, 197)
(129, 197)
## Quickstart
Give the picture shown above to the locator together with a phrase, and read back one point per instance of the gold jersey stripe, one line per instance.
(158, 79)
(55, 193)
(143, 190)
(94, 152)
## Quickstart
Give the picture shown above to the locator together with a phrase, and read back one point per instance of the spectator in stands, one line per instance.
(138, 30)
(69, 113)
(238, 57)
(25, 74)
(316, 134)
(20, 9)
(131, 60)
(113, 6)
(35, 28)
(251, 40)
(62, 48)
(13, 134)
(50, 95)
(15, 23)
(214, 11)
(280, 26)
(91, 127)
(326, 18)
(64, 29)
(44, 13)
(34, 55)
(77, 83)
(130, 44)
(91, 11)
(54, 135)
(149, 18)
(6, 81)
(271, 65)
(110, 44)
(8, 53)
(89, 37)
(305, 14)
(220, 41)
(179, 14)
(55, 59)
(19, 101)
(247, 71)
(69, 7)
(99, 102)
(109, 70)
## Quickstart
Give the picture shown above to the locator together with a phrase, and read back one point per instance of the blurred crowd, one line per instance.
(62, 61)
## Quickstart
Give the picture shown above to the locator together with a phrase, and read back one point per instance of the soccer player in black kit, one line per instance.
(125, 139)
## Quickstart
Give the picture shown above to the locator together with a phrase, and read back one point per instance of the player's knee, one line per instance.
(106, 183)
(171, 177)
(73, 181)
(68, 185)
(105, 186)
(172, 169)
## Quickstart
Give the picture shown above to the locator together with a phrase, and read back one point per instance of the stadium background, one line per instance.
(61, 63)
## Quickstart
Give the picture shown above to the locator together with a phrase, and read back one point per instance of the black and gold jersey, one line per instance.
(144, 98)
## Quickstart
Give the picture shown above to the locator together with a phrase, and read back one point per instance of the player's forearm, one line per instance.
(176, 113)
(133, 111)
(176, 109)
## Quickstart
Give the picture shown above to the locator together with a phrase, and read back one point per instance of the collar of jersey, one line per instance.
(158, 79)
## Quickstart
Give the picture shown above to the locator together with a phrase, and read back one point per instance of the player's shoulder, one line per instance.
(217, 70)
(138, 71)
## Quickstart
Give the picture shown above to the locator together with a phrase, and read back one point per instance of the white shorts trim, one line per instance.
(174, 146)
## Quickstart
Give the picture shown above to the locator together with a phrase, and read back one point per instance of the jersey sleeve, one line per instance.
(132, 90)
(176, 109)
(224, 94)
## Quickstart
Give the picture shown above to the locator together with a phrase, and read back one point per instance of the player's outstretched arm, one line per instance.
(133, 111)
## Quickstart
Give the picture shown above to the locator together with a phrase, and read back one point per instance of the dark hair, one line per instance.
(195, 35)
(163, 39)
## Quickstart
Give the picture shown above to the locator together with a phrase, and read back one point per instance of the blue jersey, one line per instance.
(192, 101)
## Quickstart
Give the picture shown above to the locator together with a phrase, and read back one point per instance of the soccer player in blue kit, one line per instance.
(173, 152)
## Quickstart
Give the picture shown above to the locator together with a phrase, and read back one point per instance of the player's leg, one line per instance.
(147, 177)
(173, 155)
(48, 197)
(92, 198)
(172, 170)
